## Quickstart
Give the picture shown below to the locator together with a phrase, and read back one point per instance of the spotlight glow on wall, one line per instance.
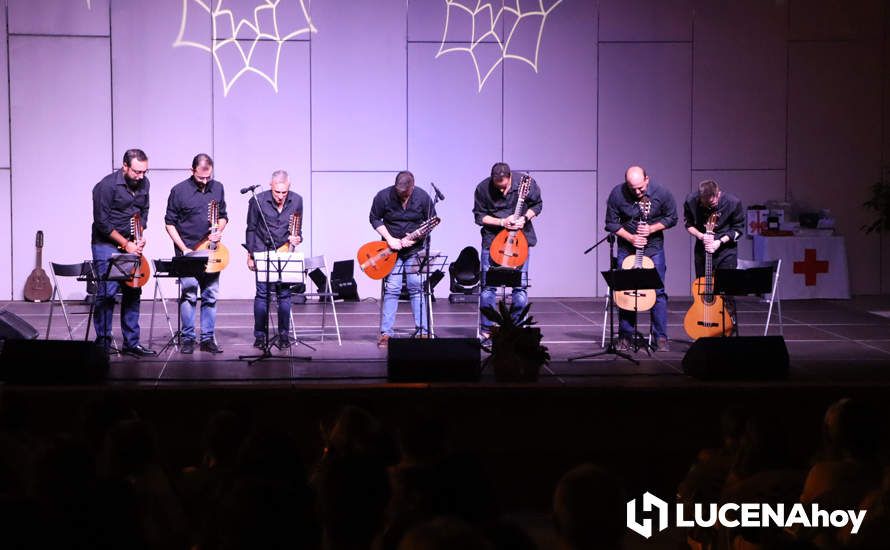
(521, 30)
(227, 37)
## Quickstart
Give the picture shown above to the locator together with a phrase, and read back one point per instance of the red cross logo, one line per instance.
(810, 266)
(757, 227)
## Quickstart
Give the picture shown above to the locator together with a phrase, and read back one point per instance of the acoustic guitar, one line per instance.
(706, 316)
(293, 228)
(37, 286)
(217, 253)
(510, 247)
(642, 299)
(377, 259)
(142, 273)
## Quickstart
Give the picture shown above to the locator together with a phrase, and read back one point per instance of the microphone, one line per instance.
(439, 194)
(249, 189)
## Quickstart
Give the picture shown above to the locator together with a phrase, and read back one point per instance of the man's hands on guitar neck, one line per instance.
(641, 238)
(392, 242)
(128, 246)
(712, 244)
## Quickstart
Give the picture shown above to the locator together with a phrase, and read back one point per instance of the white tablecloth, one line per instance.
(812, 267)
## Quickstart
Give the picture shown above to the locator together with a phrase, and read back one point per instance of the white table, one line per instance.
(812, 267)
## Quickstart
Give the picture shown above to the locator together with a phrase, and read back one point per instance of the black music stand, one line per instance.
(426, 260)
(742, 282)
(179, 267)
(635, 279)
(121, 268)
(285, 266)
(618, 280)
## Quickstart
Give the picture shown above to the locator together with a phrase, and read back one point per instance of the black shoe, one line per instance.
(187, 347)
(108, 346)
(139, 351)
(284, 341)
(259, 343)
(623, 344)
(210, 346)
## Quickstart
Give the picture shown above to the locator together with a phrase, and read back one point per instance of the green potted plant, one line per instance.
(879, 203)
(517, 354)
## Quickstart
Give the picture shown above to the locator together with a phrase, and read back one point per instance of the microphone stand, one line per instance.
(270, 243)
(611, 349)
(426, 289)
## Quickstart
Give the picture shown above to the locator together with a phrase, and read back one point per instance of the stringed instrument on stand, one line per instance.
(37, 286)
(142, 273)
(293, 228)
(510, 247)
(642, 299)
(217, 253)
(707, 315)
(377, 259)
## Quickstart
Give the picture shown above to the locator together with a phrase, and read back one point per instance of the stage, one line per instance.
(829, 342)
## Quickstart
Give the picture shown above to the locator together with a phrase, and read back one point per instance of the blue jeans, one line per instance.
(488, 296)
(392, 287)
(105, 293)
(261, 313)
(209, 284)
(627, 319)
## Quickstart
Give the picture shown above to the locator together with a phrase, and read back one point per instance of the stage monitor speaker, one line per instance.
(14, 327)
(52, 362)
(433, 360)
(737, 358)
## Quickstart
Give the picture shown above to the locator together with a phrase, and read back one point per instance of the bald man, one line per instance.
(624, 220)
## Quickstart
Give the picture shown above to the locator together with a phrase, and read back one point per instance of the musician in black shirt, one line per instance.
(623, 218)
(188, 224)
(494, 204)
(116, 199)
(277, 205)
(395, 212)
(723, 243)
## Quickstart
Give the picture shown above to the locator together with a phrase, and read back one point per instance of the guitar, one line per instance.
(217, 253)
(642, 299)
(706, 315)
(37, 286)
(293, 227)
(142, 273)
(510, 247)
(377, 259)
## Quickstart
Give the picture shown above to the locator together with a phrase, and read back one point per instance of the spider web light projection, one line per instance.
(476, 22)
(234, 59)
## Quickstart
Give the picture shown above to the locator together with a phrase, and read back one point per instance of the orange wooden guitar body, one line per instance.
(636, 300)
(509, 249)
(141, 275)
(217, 256)
(706, 316)
(376, 259)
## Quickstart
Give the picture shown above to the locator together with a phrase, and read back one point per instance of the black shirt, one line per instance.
(731, 222)
(279, 222)
(188, 209)
(386, 209)
(623, 210)
(489, 201)
(114, 203)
